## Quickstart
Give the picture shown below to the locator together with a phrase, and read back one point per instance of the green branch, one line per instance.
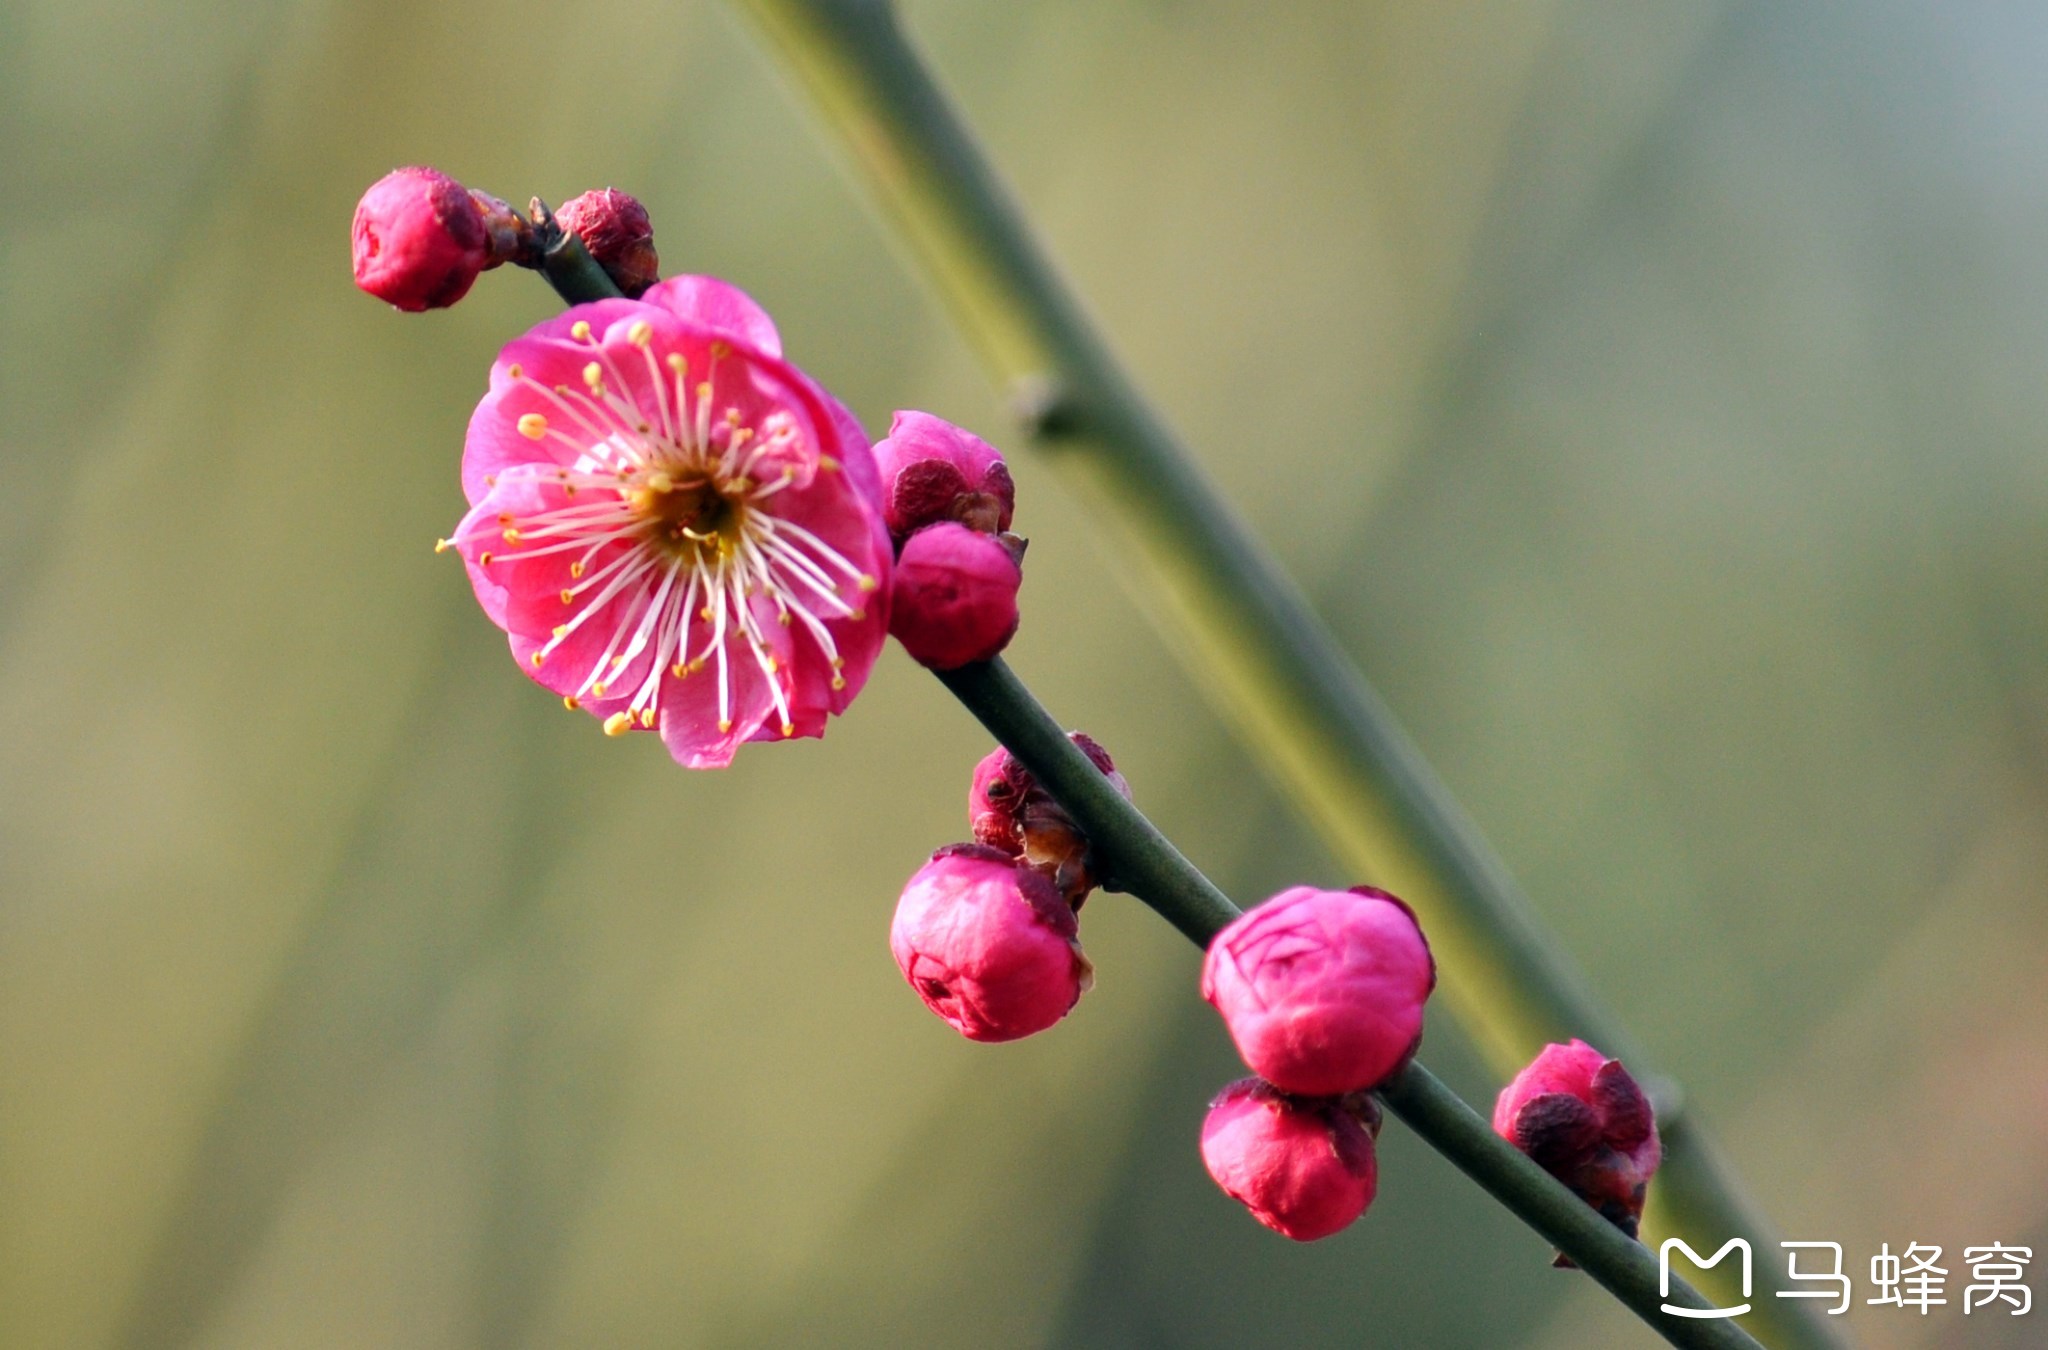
(1265, 659)
(1137, 859)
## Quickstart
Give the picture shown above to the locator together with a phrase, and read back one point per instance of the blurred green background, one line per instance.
(1651, 394)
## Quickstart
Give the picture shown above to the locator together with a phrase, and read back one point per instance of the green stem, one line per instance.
(1268, 662)
(1134, 857)
(574, 274)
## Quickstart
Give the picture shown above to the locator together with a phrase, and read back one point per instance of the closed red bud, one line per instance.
(418, 240)
(1584, 1120)
(615, 227)
(1322, 990)
(1304, 1166)
(933, 471)
(1010, 811)
(955, 596)
(989, 946)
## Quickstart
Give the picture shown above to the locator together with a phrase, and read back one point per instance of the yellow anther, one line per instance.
(593, 375)
(705, 613)
(647, 717)
(679, 670)
(490, 480)
(618, 661)
(697, 665)
(569, 702)
(537, 658)
(443, 545)
(661, 482)
(516, 371)
(769, 664)
(828, 464)
(789, 728)
(485, 558)
(511, 535)
(598, 688)
(641, 333)
(676, 362)
(867, 583)
(575, 571)
(783, 618)
(732, 418)
(838, 682)
(704, 390)
(533, 426)
(858, 615)
(719, 350)
(618, 724)
(561, 631)
(724, 724)
(643, 427)
(567, 597)
(580, 330)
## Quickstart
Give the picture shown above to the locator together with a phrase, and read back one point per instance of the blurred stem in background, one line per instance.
(1259, 650)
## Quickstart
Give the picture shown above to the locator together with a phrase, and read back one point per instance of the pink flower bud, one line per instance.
(955, 600)
(934, 471)
(614, 226)
(1304, 1166)
(1581, 1117)
(989, 946)
(1011, 812)
(419, 241)
(1322, 990)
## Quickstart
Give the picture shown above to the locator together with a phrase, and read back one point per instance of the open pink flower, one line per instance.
(677, 528)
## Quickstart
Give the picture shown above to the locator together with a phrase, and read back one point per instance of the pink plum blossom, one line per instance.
(1304, 1166)
(614, 226)
(956, 596)
(1322, 990)
(418, 240)
(678, 530)
(1009, 811)
(1581, 1117)
(989, 946)
(933, 471)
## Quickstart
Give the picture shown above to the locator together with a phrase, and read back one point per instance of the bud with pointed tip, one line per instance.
(1011, 812)
(955, 597)
(1322, 990)
(934, 471)
(614, 226)
(1582, 1118)
(989, 946)
(1304, 1166)
(418, 240)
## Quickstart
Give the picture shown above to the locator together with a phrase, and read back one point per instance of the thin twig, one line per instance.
(1271, 666)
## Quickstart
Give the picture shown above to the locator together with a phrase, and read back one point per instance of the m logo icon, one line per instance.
(1664, 1276)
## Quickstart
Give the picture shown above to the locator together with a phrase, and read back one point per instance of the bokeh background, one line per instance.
(1652, 395)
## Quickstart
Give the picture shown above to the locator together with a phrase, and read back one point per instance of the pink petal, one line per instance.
(718, 306)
